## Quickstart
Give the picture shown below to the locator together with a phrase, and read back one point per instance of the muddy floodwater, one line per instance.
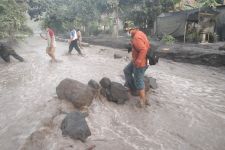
(187, 110)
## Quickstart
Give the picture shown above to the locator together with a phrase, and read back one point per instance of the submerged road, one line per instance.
(187, 112)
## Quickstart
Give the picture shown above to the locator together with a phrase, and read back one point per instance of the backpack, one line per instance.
(152, 57)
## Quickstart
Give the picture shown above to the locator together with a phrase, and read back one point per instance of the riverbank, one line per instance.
(201, 54)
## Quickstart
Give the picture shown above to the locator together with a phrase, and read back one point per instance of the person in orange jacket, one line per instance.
(134, 71)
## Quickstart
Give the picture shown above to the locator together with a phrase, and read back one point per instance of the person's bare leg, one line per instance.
(142, 98)
(52, 55)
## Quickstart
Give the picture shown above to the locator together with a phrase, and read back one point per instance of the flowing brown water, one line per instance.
(187, 112)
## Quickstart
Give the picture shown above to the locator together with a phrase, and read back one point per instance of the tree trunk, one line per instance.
(116, 21)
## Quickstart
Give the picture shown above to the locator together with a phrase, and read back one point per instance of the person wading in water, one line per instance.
(135, 70)
(73, 42)
(50, 37)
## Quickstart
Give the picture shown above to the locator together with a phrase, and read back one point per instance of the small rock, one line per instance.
(103, 92)
(147, 84)
(152, 83)
(117, 56)
(92, 83)
(222, 48)
(105, 82)
(85, 44)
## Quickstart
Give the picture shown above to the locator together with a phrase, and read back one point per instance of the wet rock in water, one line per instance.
(76, 92)
(152, 83)
(37, 140)
(105, 82)
(85, 44)
(103, 92)
(118, 93)
(114, 92)
(75, 126)
(222, 48)
(147, 84)
(92, 83)
(117, 56)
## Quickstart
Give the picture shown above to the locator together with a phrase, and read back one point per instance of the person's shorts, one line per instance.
(50, 50)
(139, 77)
(135, 76)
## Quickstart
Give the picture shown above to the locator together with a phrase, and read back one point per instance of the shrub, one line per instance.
(168, 39)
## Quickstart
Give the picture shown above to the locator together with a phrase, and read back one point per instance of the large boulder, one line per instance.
(117, 93)
(75, 126)
(76, 92)
(113, 91)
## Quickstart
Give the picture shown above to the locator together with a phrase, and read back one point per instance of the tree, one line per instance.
(88, 14)
(114, 5)
(36, 8)
(63, 15)
(208, 3)
(143, 12)
(12, 17)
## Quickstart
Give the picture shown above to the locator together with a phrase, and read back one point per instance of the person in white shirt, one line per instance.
(73, 42)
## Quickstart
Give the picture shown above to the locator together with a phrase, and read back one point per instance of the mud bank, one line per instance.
(207, 54)
(201, 54)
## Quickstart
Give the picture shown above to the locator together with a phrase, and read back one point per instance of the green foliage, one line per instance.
(64, 14)
(143, 12)
(93, 29)
(167, 5)
(192, 37)
(208, 3)
(61, 14)
(26, 30)
(36, 8)
(168, 39)
(12, 17)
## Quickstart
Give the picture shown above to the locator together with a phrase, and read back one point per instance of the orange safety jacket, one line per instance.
(140, 45)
